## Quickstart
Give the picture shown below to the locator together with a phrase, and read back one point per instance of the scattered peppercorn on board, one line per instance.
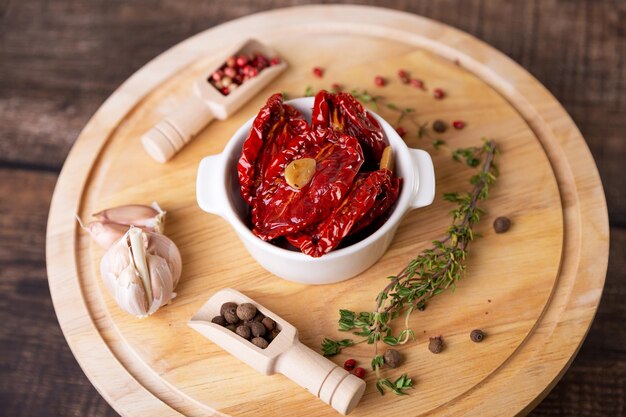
(533, 290)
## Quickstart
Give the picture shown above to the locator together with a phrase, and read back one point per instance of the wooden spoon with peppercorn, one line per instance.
(218, 93)
(224, 320)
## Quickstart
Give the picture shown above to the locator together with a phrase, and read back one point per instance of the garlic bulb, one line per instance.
(113, 223)
(141, 271)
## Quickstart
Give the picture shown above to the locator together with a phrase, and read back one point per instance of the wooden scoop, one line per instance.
(169, 136)
(285, 354)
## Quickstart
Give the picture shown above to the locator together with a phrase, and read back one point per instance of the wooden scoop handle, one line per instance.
(169, 136)
(321, 377)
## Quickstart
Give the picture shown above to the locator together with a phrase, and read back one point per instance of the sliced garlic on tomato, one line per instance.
(386, 160)
(299, 172)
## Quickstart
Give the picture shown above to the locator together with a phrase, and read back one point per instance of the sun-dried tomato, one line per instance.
(280, 210)
(337, 201)
(362, 198)
(387, 196)
(262, 152)
(343, 113)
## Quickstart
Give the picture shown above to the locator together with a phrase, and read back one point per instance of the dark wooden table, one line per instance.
(59, 60)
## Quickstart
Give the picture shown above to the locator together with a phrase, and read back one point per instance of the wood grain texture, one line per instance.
(541, 310)
(67, 57)
(39, 374)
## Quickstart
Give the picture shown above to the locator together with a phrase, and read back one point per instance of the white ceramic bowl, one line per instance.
(217, 190)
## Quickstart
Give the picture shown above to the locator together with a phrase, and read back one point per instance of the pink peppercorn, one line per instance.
(349, 364)
(458, 124)
(336, 87)
(237, 69)
(401, 131)
(242, 60)
(359, 372)
(230, 72)
(438, 93)
(379, 81)
(404, 76)
(260, 61)
(318, 72)
(417, 83)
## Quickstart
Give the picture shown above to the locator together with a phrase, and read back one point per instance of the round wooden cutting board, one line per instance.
(533, 290)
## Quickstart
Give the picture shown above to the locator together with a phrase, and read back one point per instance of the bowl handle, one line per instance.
(211, 184)
(423, 192)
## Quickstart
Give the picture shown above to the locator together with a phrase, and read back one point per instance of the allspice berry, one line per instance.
(258, 330)
(226, 306)
(436, 344)
(393, 358)
(246, 311)
(247, 322)
(230, 314)
(501, 224)
(219, 320)
(260, 342)
(273, 334)
(243, 331)
(269, 324)
(477, 335)
(439, 126)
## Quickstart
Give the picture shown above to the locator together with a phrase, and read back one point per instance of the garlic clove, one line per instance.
(386, 160)
(299, 172)
(120, 256)
(113, 263)
(150, 218)
(161, 281)
(138, 257)
(162, 246)
(127, 214)
(104, 234)
(130, 293)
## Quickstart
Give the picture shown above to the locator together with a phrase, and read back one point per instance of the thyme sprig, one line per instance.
(433, 271)
(398, 387)
(470, 155)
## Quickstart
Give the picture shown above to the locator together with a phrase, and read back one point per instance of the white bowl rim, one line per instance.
(401, 206)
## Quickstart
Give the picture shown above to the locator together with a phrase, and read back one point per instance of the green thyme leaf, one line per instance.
(438, 143)
(398, 387)
(377, 362)
(333, 347)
